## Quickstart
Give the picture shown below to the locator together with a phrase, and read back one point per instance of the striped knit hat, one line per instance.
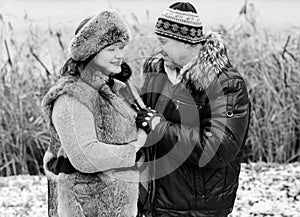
(180, 22)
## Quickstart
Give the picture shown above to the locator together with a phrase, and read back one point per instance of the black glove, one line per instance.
(61, 165)
(125, 73)
(147, 119)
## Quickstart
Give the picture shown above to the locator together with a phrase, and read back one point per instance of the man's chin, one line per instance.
(170, 64)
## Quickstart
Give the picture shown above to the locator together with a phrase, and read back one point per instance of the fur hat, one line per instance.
(97, 32)
(180, 22)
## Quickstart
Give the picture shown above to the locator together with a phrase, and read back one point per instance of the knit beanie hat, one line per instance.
(97, 32)
(180, 22)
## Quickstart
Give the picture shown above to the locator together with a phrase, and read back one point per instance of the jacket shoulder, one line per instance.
(229, 81)
(230, 74)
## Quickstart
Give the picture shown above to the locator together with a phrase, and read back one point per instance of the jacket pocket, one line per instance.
(182, 103)
(189, 113)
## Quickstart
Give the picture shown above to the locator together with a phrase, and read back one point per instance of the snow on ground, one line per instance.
(268, 190)
(264, 190)
(22, 196)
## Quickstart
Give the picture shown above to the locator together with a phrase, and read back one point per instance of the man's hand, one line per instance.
(147, 119)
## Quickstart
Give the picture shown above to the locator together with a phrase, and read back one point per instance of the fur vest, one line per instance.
(101, 193)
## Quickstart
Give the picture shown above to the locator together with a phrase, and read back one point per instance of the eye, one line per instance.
(121, 46)
(111, 48)
(162, 41)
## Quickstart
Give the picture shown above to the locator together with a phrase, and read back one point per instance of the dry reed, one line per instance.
(269, 63)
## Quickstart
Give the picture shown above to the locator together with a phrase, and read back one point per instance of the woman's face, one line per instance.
(109, 59)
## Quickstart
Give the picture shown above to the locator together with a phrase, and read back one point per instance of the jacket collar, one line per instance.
(103, 80)
(209, 63)
(206, 66)
(117, 85)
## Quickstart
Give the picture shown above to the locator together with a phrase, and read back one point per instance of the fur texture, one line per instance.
(211, 60)
(102, 30)
(103, 193)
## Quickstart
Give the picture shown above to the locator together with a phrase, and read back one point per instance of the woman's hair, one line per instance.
(73, 67)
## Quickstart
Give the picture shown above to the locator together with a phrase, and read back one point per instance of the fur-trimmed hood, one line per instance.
(211, 60)
(204, 68)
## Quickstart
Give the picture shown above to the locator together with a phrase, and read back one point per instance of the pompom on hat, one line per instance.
(97, 32)
(180, 22)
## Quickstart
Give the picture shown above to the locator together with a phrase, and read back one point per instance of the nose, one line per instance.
(161, 49)
(158, 52)
(163, 53)
(120, 53)
(161, 46)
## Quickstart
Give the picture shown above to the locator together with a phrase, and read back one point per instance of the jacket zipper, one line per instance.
(152, 190)
(195, 187)
(178, 102)
(203, 186)
(153, 187)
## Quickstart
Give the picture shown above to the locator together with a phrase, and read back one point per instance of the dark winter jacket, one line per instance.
(195, 153)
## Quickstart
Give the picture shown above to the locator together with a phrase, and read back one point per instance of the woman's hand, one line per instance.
(141, 139)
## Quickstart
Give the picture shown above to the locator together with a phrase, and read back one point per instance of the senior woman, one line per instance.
(92, 123)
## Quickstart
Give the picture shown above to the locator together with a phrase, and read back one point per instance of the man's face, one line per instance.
(175, 52)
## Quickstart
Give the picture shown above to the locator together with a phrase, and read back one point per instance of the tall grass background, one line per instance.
(269, 62)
